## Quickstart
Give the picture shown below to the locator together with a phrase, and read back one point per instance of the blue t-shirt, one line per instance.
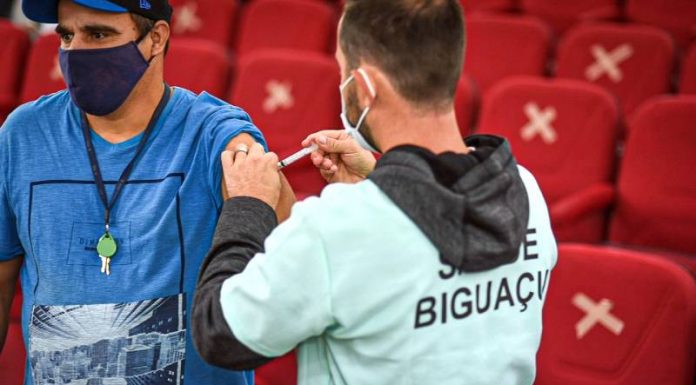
(131, 327)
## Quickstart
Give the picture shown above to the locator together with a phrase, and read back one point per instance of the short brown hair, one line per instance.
(144, 26)
(419, 44)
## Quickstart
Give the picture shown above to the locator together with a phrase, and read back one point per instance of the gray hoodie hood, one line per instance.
(473, 208)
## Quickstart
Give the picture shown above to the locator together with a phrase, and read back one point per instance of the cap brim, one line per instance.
(46, 11)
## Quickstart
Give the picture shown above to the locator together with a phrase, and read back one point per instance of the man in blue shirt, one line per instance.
(109, 196)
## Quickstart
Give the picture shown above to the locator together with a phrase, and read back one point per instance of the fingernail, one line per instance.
(321, 140)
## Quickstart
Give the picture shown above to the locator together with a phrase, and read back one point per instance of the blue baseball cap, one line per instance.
(46, 11)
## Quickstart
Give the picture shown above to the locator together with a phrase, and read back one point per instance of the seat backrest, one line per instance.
(564, 131)
(280, 371)
(14, 47)
(198, 65)
(466, 104)
(687, 82)
(487, 5)
(213, 20)
(617, 317)
(656, 200)
(562, 14)
(43, 75)
(290, 96)
(616, 57)
(500, 46)
(676, 16)
(294, 24)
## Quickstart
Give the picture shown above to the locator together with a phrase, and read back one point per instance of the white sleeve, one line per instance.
(283, 296)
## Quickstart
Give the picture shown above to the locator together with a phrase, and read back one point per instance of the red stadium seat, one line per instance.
(562, 14)
(617, 317)
(213, 20)
(281, 371)
(14, 47)
(290, 96)
(295, 24)
(487, 5)
(565, 133)
(466, 103)
(616, 57)
(656, 199)
(499, 46)
(687, 83)
(198, 65)
(43, 75)
(676, 16)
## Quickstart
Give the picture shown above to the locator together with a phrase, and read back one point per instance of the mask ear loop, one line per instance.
(370, 87)
(140, 40)
(346, 82)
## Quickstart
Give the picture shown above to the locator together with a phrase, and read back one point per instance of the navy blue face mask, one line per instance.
(100, 80)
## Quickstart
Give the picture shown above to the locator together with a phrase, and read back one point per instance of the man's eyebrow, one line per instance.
(61, 29)
(99, 28)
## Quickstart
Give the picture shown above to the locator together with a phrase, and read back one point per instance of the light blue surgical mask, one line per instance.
(354, 131)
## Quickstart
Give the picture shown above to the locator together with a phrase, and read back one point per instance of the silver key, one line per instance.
(108, 266)
(103, 264)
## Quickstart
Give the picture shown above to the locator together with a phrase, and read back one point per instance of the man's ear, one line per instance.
(367, 87)
(159, 34)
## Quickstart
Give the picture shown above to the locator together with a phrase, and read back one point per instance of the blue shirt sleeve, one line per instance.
(225, 124)
(10, 245)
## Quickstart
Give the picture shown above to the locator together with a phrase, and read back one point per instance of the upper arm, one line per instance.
(9, 271)
(287, 195)
(243, 138)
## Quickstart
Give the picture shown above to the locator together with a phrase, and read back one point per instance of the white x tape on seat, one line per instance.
(595, 313)
(279, 96)
(608, 62)
(186, 18)
(539, 123)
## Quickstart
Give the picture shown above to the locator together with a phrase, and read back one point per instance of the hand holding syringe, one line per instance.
(297, 156)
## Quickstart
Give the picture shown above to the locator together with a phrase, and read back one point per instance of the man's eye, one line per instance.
(98, 35)
(66, 37)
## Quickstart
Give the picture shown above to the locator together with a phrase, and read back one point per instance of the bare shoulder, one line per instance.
(243, 138)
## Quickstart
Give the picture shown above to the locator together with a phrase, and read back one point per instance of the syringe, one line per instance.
(297, 156)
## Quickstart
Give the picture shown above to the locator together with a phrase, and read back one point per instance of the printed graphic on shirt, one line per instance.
(126, 344)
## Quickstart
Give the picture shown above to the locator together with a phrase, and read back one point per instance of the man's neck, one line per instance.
(437, 132)
(132, 118)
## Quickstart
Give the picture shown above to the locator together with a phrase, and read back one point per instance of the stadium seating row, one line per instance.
(676, 16)
(227, 22)
(609, 54)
